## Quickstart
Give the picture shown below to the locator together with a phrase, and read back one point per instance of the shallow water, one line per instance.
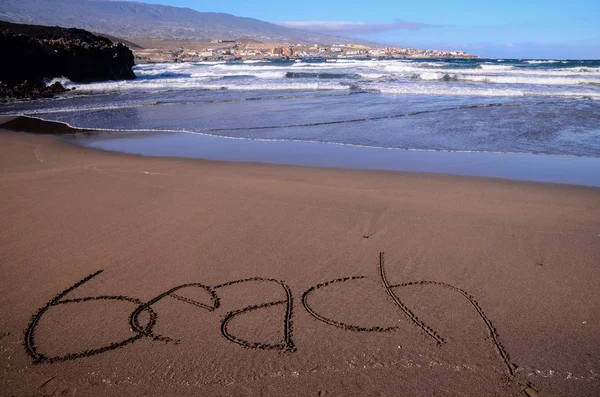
(527, 167)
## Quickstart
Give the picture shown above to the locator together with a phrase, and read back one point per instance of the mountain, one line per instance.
(134, 19)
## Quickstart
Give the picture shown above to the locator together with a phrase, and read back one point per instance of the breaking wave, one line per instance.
(502, 77)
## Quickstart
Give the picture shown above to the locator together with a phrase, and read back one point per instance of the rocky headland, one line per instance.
(32, 53)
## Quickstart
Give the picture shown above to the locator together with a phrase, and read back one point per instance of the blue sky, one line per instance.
(508, 28)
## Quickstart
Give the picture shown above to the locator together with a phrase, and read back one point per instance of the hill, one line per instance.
(134, 19)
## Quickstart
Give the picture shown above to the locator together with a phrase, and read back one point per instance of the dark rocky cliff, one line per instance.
(30, 53)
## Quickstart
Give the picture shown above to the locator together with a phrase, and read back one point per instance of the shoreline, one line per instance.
(279, 285)
(544, 168)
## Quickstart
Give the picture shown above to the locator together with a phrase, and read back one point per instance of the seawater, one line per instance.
(475, 105)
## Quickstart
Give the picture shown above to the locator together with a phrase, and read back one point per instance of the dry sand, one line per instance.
(509, 303)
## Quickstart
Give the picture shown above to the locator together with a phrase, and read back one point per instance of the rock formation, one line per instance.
(30, 53)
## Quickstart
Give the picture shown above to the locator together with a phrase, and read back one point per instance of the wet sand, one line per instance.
(130, 275)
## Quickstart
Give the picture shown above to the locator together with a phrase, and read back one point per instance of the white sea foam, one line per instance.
(423, 88)
(246, 67)
(261, 75)
(183, 83)
(483, 92)
(434, 76)
(372, 75)
(400, 68)
(65, 82)
(537, 62)
(387, 76)
(492, 67)
(508, 79)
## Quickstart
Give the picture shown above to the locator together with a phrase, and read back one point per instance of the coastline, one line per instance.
(527, 253)
(530, 167)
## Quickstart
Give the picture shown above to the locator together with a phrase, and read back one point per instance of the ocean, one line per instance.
(540, 107)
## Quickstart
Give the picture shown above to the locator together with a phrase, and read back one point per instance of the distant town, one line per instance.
(229, 50)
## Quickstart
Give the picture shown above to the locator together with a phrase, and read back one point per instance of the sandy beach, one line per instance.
(131, 275)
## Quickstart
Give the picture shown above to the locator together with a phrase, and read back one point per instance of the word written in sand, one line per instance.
(145, 329)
